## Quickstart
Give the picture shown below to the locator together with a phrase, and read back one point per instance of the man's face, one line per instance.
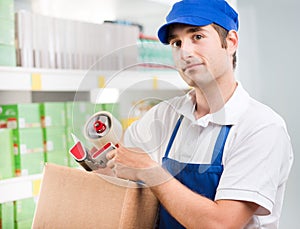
(198, 54)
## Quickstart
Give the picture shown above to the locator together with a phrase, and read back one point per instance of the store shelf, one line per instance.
(32, 79)
(19, 187)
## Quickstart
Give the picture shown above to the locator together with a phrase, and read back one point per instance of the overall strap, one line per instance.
(173, 136)
(219, 146)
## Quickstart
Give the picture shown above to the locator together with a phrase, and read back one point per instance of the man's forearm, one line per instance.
(193, 210)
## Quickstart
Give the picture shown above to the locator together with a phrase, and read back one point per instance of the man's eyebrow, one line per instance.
(190, 30)
(196, 29)
(170, 37)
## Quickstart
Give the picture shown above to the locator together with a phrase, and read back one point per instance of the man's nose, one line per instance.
(186, 50)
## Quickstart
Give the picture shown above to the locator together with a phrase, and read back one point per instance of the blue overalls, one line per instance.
(201, 178)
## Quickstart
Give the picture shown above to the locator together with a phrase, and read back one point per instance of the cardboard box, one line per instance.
(73, 198)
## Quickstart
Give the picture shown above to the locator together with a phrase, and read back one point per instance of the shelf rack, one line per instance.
(18, 188)
(54, 80)
(32, 79)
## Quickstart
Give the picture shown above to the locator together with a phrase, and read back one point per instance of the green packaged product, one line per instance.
(24, 209)
(6, 154)
(55, 145)
(30, 164)
(52, 114)
(54, 138)
(59, 157)
(7, 9)
(8, 55)
(7, 215)
(7, 32)
(77, 113)
(29, 150)
(24, 224)
(15, 116)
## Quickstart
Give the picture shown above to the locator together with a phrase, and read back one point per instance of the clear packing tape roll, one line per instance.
(102, 128)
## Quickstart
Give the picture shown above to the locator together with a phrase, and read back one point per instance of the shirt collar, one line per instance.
(229, 114)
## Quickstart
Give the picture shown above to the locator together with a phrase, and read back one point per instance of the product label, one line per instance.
(12, 123)
(23, 148)
(49, 145)
(48, 121)
(22, 123)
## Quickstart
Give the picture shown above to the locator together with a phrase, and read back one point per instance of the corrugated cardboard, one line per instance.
(73, 198)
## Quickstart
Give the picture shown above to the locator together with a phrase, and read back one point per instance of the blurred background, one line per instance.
(267, 60)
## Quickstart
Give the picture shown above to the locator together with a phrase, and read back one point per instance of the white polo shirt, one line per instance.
(257, 156)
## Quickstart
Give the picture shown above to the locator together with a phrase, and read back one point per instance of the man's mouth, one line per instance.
(190, 66)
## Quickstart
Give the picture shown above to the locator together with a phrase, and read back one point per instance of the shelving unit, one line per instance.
(32, 79)
(15, 80)
(19, 187)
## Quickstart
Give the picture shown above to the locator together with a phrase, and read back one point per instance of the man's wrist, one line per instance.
(154, 176)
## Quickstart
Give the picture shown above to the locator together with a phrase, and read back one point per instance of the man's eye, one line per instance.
(175, 44)
(198, 37)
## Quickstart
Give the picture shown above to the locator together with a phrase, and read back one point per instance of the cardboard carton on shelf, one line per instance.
(74, 198)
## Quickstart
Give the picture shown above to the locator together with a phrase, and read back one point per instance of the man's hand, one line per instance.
(135, 164)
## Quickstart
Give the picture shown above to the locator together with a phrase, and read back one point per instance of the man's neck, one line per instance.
(211, 98)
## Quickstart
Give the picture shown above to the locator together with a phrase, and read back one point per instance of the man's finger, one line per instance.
(110, 155)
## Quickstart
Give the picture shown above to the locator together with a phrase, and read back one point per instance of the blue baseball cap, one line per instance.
(200, 13)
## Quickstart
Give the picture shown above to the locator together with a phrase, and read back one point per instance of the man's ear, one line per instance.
(232, 41)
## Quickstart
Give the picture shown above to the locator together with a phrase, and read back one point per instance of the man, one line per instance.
(215, 158)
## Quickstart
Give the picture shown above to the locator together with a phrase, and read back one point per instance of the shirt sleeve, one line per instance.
(255, 166)
(149, 133)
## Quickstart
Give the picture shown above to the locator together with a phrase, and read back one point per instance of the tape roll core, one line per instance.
(112, 133)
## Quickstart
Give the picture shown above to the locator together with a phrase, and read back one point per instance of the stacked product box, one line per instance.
(152, 51)
(7, 167)
(24, 120)
(7, 33)
(7, 215)
(23, 212)
(48, 42)
(53, 120)
(77, 113)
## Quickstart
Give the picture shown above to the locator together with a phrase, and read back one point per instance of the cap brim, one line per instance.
(193, 21)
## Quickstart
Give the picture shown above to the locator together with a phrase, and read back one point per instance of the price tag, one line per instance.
(36, 184)
(36, 81)
(101, 82)
(155, 83)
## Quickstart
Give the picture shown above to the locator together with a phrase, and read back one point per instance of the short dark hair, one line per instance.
(223, 35)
